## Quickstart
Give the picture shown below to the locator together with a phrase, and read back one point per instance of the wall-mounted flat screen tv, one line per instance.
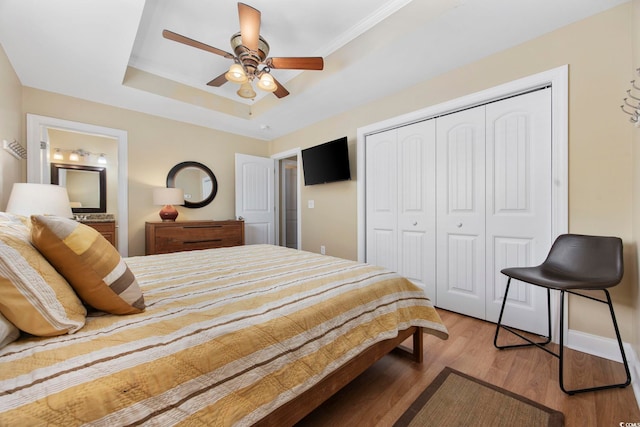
(326, 162)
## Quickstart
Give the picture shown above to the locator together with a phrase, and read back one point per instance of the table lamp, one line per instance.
(167, 197)
(28, 199)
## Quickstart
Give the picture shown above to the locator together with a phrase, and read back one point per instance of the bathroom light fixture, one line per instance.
(79, 155)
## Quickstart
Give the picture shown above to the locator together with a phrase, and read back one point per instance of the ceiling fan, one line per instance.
(250, 59)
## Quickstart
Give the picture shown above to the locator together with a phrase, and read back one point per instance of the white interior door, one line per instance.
(289, 200)
(400, 175)
(461, 212)
(416, 210)
(494, 207)
(255, 198)
(518, 214)
(382, 199)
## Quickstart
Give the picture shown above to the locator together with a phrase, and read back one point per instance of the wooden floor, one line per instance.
(381, 394)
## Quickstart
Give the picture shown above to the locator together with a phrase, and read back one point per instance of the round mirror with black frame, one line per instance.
(196, 180)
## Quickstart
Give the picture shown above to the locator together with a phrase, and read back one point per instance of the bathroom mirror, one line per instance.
(196, 180)
(86, 185)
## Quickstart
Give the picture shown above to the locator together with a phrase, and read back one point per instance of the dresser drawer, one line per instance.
(190, 235)
(106, 228)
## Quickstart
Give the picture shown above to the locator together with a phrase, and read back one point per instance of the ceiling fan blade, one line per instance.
(249, 25)
(280, 92)
(294, 63)
(194, 43)
(218, 81)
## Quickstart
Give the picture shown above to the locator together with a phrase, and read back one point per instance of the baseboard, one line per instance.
(634, 367)
(596, 345)
(608, 349)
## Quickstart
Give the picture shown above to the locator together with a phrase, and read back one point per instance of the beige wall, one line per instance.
(155, 145)
(635, 19)
(11, 126)
(600, 141)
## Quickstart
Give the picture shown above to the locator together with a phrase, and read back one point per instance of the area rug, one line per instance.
(457, 399)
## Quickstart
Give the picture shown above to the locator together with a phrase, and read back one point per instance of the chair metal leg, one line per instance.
(529, 341)
(561, 353)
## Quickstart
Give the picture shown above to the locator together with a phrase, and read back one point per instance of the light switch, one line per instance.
(312, 204)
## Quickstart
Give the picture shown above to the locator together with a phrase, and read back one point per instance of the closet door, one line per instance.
(382, 199)
(518, 214)
(460, 205)
(416, 207)
(400, 196)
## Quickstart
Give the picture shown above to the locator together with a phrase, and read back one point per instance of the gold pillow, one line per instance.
(93, 267)
(33, 295)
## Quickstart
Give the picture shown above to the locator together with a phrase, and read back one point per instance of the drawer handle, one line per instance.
(202, 226)
(187, 242)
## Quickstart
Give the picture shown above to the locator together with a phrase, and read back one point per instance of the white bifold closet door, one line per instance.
(400, 176)
(461, 212)
(453, 200)
(494, 207)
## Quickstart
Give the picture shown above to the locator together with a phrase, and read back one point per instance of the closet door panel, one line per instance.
(382, 199)
(518, 203)
(416, 204)
(460, 152)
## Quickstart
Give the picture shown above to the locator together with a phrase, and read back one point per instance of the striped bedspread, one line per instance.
(228, 336)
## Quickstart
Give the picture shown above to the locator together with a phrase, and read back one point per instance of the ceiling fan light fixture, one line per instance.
(250, 57)
(246, 91)
(267, 83)
(236, 74)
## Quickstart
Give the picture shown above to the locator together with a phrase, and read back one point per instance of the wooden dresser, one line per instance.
(106, 228)
(165, 237)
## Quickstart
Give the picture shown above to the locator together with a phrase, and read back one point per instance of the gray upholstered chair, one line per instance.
(574, 263)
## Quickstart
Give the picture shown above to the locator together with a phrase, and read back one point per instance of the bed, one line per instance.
(245, 335)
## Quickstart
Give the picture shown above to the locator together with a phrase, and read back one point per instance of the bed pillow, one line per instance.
(33, 295)
(15, 220)
(8, 332)
(93, 267)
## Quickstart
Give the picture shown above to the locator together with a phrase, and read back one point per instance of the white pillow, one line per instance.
(8, 332)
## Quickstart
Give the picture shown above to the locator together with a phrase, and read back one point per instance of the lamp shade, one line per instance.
(267, 83)
(246, 91)
(28, 199)
(236, 74)
(168, 196)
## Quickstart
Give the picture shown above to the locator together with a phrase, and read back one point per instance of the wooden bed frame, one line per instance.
(296, 409)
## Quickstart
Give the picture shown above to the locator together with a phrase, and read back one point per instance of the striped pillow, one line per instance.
(93, 267)
(33, 295)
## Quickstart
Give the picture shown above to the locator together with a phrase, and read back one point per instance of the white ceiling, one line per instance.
(83, 48)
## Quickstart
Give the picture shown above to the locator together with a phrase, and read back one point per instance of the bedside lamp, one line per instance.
(168, 197)
(28, 199)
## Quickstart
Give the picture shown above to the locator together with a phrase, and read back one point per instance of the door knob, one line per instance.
(415, 223)
(459, 225)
